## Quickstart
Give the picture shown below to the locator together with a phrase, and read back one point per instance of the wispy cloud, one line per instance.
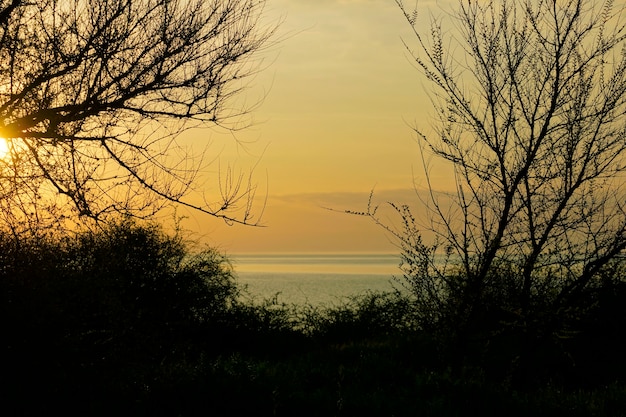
(357, 200)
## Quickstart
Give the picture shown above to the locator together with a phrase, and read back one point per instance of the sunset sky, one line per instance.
(341, 94)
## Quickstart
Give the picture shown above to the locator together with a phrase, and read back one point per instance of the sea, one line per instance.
(315, 279)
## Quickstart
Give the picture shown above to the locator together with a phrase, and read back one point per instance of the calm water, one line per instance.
(315, 279)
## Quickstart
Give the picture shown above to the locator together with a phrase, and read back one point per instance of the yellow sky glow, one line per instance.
(341, 95)
(4, 147)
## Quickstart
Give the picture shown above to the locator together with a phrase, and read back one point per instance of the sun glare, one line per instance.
(4, 147)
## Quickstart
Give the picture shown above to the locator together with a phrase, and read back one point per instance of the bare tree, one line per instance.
(531, 105)
(94, 94)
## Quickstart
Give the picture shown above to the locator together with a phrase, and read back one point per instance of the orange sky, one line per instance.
(341, 94)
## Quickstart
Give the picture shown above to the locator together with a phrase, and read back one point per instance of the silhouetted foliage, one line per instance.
(103, 313)
(532, 127)
(126, 320)
(524, 263)
(94, 94)
(370, 315)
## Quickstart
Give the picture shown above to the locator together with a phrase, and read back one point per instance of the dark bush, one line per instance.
(126, 321)
(366, 316)
(96, 310)
(124, 289)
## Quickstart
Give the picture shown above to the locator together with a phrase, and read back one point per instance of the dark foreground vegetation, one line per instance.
(126, 321)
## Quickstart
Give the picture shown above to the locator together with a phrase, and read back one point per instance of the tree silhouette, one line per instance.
(530, 98)
(93, 95)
